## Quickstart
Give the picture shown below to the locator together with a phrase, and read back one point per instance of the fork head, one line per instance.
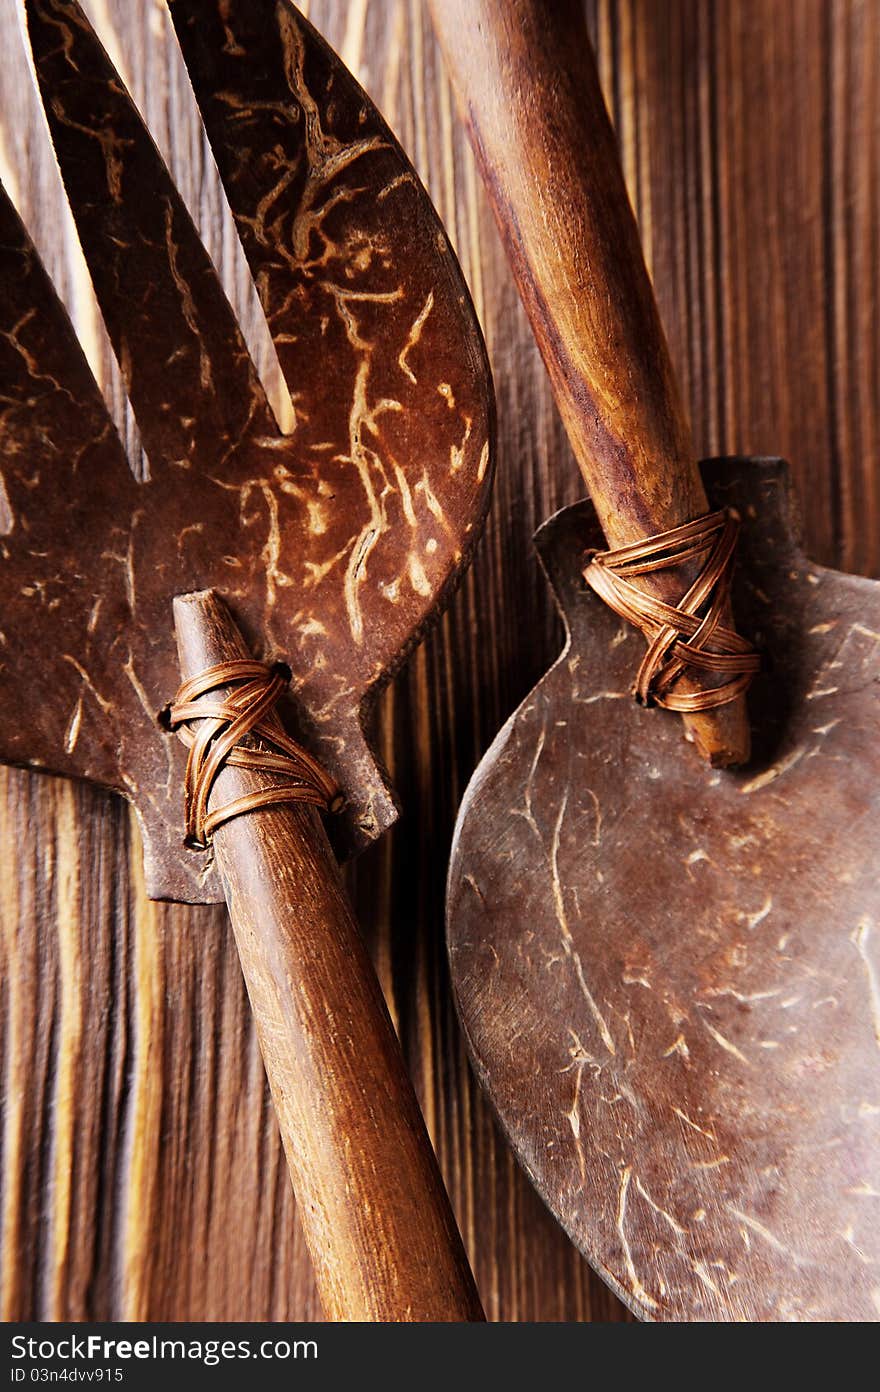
(333, 541)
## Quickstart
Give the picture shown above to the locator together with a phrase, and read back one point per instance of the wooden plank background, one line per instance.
(142, 1172)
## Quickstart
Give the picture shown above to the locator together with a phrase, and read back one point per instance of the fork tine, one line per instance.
(306, 175)
(52, 414)
(61, 460)
(189, 376)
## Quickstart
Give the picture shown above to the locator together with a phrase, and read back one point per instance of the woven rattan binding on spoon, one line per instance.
(690, 634)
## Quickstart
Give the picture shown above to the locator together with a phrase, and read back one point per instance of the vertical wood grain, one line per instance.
(142, 1171)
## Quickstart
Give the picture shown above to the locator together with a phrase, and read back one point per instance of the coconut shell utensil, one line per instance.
(313, 557)
(667, 970)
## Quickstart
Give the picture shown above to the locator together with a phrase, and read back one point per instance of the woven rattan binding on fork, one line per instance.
(225, 722)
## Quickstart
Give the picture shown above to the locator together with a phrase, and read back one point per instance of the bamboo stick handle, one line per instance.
(529, 93)
(375, 1214)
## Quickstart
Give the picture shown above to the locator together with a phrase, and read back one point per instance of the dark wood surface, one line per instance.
(143, 1173)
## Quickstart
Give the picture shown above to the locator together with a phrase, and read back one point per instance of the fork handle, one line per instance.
(375, 1214)
(529, 93)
